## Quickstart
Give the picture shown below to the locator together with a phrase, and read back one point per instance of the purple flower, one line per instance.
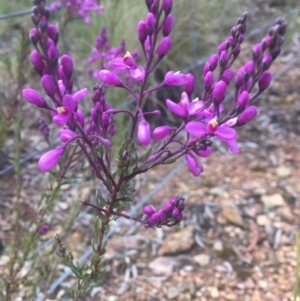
(199, 130)
(34, 97)
(161, 132)
(50, 159)
(65, 135)
(189, 84)
(48, 84)
(144, 132)
(79, 95)
(109, 78)
(43, 229)
(167, 26)
(142, 31)
(219, 91)
(148, 210)
(164, 46)
(184, 108)
(195, 167)
(264, 80)
(65, 112)
(174, 79)
(248, 115)
(127, 62)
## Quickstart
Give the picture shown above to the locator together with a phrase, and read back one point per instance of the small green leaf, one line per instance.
(76, 272)
(147, 155)
(169, 161)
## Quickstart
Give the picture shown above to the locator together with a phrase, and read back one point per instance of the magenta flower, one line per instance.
(161, 132)
(65, 112)
(199, 130)
(50, 159)
(65, 135)
(144, 132)
(195, 167)
(79, 95)
(248, 115)
(127, 62)
(109, 78)
(164, 46)
(219, 91)
(34, 97)
(43, 229)
(184, 107)
(264, 80)
(175, 79)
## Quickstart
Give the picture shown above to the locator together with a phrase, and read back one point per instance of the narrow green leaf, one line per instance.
(169, 161)
(147, 155)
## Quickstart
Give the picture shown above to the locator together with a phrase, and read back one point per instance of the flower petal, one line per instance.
(196, 129)
(225, 133)
(118, 63)
(69, 103)
(138, 73)
(80, 94)
(61, 119)
(175, 108)
(233, 146)
(195, 107)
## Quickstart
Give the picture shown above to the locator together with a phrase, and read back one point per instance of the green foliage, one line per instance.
(297, 281)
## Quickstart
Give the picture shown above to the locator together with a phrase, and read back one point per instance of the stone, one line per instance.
(172, 292)
(286, 214)
(218, 246)
(273, 200)
(231, 213)
(214, 292)
(202, 259)
(263, 220)
(178, 242)
(263, 284)
(283, 171)
(163, 265)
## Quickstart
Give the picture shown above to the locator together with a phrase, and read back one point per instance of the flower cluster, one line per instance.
(79, 8)
(115, 59)
(202, 118)
(56, 80)
(169, 216)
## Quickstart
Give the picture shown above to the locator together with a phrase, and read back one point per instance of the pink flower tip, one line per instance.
(144, 132)
(161, 132)
(164, 46)
(34, 97)
(109, 78)
(148, 210)
(50, 159)
(174, 79)
(219, 91)
(248, 115)
(265, 80)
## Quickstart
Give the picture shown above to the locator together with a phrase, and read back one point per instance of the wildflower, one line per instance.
(34, 97)
(65, 112)
(144, 132)
(50, 159)
(127, 62)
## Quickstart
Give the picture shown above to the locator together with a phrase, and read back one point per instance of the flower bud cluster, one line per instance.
(170, 215)
(102, 124)
(79, 8)
(149, 28)
(103, 55)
